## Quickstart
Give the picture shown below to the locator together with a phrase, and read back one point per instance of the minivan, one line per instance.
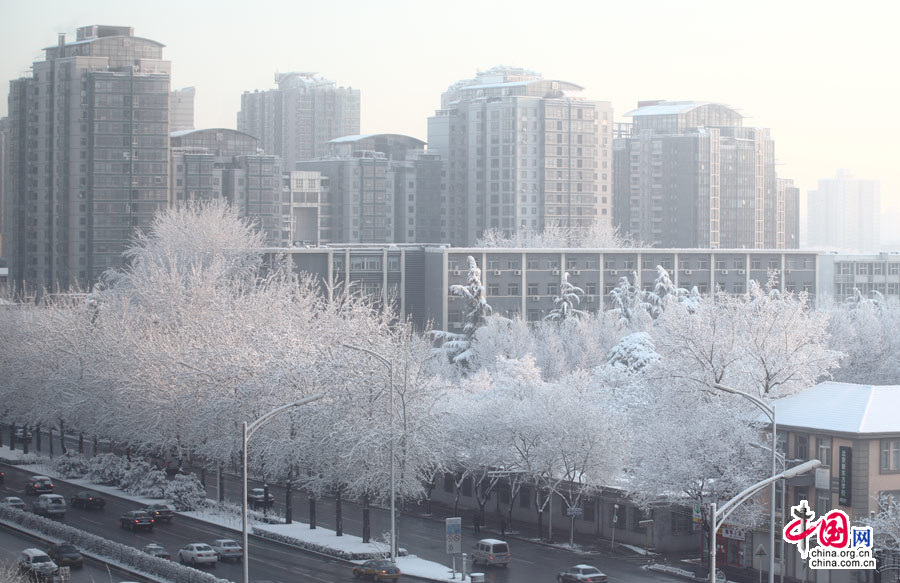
(490, 551)
(50, 505)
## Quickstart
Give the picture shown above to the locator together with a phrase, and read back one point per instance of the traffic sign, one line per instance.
(454, 535)
(574, 511)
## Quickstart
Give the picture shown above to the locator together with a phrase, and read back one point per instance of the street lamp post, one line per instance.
(390, 367)
(769, 410)
(248, 431)
(720, 515)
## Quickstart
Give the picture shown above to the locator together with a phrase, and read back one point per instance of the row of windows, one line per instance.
(646, 264)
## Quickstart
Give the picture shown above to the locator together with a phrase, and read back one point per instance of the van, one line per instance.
(50, 505)
(37, 565)
(490, 551)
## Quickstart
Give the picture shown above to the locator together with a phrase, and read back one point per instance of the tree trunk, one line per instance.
(221, 488)
(81, 443)
(540, 524)
(37, 433)
(62, 437)
(12, 437)
(339, 514)
(367, 526)
(50, 439)
(25, 440)
(203, 476)
(313, 519)
(265, 498)
(428, 499)
(95, 444)
(288, 498)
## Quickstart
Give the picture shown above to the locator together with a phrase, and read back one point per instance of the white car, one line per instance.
(198, 554)
(228, 549)
(13, 501)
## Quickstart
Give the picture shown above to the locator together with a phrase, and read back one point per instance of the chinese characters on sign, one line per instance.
(840, 546)
(844, 476)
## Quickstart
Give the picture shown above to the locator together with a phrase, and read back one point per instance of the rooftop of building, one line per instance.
(665, 107)
(411, 141)
(181, 133)
(841, 408)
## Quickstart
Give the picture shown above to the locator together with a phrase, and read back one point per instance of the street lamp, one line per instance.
(390, 367)
(718, 516)
(248, 431)
(769, 410)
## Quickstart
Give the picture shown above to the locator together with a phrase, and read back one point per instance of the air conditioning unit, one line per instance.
(496, 272)
(576, 272)
(555, 272)
(535, 298)
(688, 272)
(787, 271)
(517, 272)
(589, 298)
(457, 272)
(724, 272)
(613, 272)
(741, 271)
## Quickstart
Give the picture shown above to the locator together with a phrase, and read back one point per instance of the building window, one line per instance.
(532, 289)
(823, 449)
(755, 264)
(493, 290)
(801, 447)
(513, 289)
(890, 455)
(823, 503)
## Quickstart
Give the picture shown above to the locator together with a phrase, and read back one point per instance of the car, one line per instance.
(160, 512)
(86, 499)
(490, 551)
(228, 549)
(13, 501)
(2, 477)
(257, 498)
(135, 519)
(157, 551)
(50, 505)
(377, 569)
(37, 565)
(38, 485)
(65, 555)
(582, 574)
(198, 554)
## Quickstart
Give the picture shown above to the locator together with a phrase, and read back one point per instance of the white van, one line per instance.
(50, 505)
(490, 551)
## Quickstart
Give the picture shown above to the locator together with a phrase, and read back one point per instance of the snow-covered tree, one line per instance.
(629, 303)
(601, 235)
(458, 347)
(886, 523)
(664, 292)
(633, 353)
(868, 333)
(565, 305)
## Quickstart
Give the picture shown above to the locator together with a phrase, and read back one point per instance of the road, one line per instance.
(531, 562)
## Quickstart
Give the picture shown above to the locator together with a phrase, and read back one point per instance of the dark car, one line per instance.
(161, 512)
(377, 569)
(257, 498)
(88, 499)
(65, 555)
(136, 519)
(2, 477)
(39, 485)
(582, 574)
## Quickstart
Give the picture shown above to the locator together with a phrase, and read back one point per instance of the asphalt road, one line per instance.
(531, 562)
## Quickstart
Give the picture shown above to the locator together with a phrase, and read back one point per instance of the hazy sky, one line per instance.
(823, 75)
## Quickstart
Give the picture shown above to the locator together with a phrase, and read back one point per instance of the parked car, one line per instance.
(377, 569)
(37, 565)
(161, 512)
(50, 505)
(13, 501)
(198, 554)
(157, 551)
(490, 551)
(38, 485)
(135, 519)
(65, 555)
(87, 499)
(228, 549)
(582, 574)
(2, 477)
(257, 498)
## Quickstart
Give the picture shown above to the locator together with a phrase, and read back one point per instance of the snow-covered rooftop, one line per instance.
(666, 108)
(842, 407)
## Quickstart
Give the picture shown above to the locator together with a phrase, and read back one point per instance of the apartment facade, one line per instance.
(181, 109)
(872, 275)
(88, 156)
(521, 153)
(844, 214)
(296, 120)
(691, 175)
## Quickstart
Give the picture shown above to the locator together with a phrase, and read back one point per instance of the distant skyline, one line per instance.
(821, 75)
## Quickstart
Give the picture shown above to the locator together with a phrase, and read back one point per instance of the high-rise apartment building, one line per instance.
(521, 153)
(88, 155)
(690, 175)
(382, 188)
(181, 109)
(223, 163)
(298, 119)
(4, 178)
(844, 214)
